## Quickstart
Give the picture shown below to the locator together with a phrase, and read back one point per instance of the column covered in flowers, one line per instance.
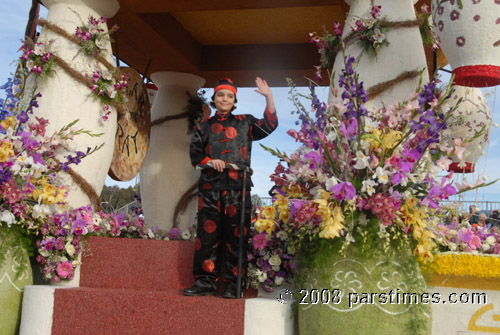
(167, 173)
(64, 98)
(388, 47)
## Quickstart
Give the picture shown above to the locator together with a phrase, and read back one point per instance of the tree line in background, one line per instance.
(114, 198)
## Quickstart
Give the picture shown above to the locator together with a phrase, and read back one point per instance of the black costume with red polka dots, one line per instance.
(227, 137)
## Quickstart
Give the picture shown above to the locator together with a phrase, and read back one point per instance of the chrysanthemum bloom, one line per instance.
(64, 270)
(260, 241)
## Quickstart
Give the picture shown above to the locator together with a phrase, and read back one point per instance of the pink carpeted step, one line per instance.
(123, 263)
(111, 311)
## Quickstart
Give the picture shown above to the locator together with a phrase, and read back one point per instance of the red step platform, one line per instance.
(130, 286)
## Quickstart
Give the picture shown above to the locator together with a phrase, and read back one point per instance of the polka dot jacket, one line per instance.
(229, 138)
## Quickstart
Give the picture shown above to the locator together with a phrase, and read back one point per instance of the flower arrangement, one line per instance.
(364, 178)
(30, 186)
(61, 237)
(472, 239)
(109, 88)
(37, 57)
(93, 37)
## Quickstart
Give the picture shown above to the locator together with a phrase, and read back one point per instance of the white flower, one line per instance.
(151, 234)
(361, 160)
(452, 246)
(8, 218)
(100, 44)
(70, 249)
(382, 175)
(370, 125)
(93, 29)
(30, 64)
(279, 280)
(378, 36)
(40, 211)
(332, 181)
(368, 186)
(282, 235)
(111, 92)
(485, 247)
(76, 263)
(275, 260)
(38, 49)
(261, 276)
(106, 75)
(290, 250)
(331, 136)
(491, 240)
(43, 252)
(186, 235)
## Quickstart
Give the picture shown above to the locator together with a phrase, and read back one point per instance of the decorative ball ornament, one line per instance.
(469, 32)
(133, 131)
(470, 119)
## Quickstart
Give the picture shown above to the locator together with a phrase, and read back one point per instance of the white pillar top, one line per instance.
(170, 78)
(107, 8)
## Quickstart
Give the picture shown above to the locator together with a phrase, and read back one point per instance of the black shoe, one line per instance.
(230, 292)
(200, 289)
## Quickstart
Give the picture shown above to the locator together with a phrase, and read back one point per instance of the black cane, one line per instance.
(242, 227)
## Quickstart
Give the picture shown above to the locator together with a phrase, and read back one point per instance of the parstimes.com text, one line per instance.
(335, 296)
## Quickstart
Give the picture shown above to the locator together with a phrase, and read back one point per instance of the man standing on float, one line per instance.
(217, 141)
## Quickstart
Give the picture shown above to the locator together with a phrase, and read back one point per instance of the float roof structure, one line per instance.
(213, 39)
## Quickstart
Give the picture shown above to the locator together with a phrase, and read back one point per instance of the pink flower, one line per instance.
(260, 241)
(475, 242)
(64, 269)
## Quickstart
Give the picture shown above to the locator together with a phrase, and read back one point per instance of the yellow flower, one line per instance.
(268, 212)
(49, 194)
(332, 225)
(323, 194)
(374, 144)
(294, 191)
(264, 224)
(6, 151)
(391, 138)
(9, 122)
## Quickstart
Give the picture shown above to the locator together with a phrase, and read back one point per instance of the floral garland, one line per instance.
(93, 37)
(108, 90)
(37, 58)
(108, 85)
(370, 33)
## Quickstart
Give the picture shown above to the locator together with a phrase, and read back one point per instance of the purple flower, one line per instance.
(78, 226)
(344, 190)
(174, 233)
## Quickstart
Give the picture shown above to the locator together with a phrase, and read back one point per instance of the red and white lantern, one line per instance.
(470, 39)
(467, 121)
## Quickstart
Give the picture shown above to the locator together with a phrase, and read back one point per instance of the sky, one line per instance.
(13, 19)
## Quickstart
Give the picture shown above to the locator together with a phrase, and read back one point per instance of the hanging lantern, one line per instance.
(469, 32)
(467, 121)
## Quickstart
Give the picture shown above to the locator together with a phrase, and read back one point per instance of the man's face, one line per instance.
(224, 100)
